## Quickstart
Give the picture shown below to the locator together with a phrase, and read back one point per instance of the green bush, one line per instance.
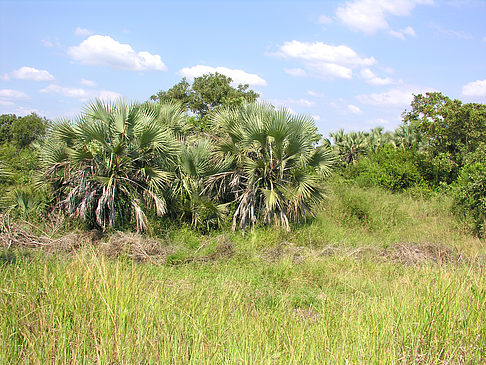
(470, 192)
(391, 169)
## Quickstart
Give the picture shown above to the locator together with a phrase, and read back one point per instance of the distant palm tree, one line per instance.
(113, 161)
(349, 145)
(276, 170)
(406, 137)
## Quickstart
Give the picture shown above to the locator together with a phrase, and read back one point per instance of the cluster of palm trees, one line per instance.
(121, 163)
(349, 146)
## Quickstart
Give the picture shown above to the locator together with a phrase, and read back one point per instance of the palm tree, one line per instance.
(406, 137)
(191, 194)
(349, 145)
(112, 162)
(277, 171)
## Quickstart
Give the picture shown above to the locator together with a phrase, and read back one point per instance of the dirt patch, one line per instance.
(137, 247)
(420, 253)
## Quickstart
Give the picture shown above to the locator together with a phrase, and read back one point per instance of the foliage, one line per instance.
(392, 169)
(21, 131)
(196, 164)
(206, 93)
(349, 145)
(336, 284)
(112, 163)
(449, 129)
(278, 170)
(470, 191)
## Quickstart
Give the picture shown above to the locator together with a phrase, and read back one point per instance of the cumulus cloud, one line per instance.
(396, 97)
(370, 16)
(324, 59)
(81, 94)
(82, 32)
(8, 97)
(238, 76)
(29, 73)
(100, 50)
(475, 88)
(370, 77)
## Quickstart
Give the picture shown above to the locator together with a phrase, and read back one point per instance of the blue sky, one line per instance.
(350, 64)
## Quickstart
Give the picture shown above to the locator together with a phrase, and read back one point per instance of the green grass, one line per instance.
(276, 300)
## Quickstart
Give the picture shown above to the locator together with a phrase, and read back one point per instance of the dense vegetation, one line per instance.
(367, 247)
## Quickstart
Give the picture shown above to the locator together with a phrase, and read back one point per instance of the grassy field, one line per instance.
(373, 278)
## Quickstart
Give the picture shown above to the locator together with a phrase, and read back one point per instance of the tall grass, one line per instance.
(281, 298)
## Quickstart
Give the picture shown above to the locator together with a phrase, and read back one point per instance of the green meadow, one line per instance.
(372, 278)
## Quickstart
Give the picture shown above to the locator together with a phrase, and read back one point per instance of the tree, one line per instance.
(27, 129)
(6, 121)
(449, 130)
(349, 145)
(277, 170)
(112, 162)
(206, 93)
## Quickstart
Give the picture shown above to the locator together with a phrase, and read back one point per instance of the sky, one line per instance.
(349, 64)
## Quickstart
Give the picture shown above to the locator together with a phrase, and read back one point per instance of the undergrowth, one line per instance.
(374, 277)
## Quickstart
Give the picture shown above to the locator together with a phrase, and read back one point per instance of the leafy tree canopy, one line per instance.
(22, 131)
(448, 126)
(206, 93)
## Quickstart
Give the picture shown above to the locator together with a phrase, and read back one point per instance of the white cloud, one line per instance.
(82, 32)
(100, 50)
(402, 33)
(370, 16)
(238, 76)
(297, 102)
(315, 94)
(303, 102)
(8, 97)
(475, 88)
(316, 117)
(88, 83)
(47, 43)
(450, 32)
(81, 94)
(378, 122)
(369, 77)
(324, 20)
(295, 71)
(354, 109)
(29, 73)
(325, 60)
(396, 97)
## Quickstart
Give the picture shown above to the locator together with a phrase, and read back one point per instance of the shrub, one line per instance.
(470, 192)
(392, 169)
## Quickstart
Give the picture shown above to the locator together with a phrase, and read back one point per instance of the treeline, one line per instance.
(206, 153)
(439, 148)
